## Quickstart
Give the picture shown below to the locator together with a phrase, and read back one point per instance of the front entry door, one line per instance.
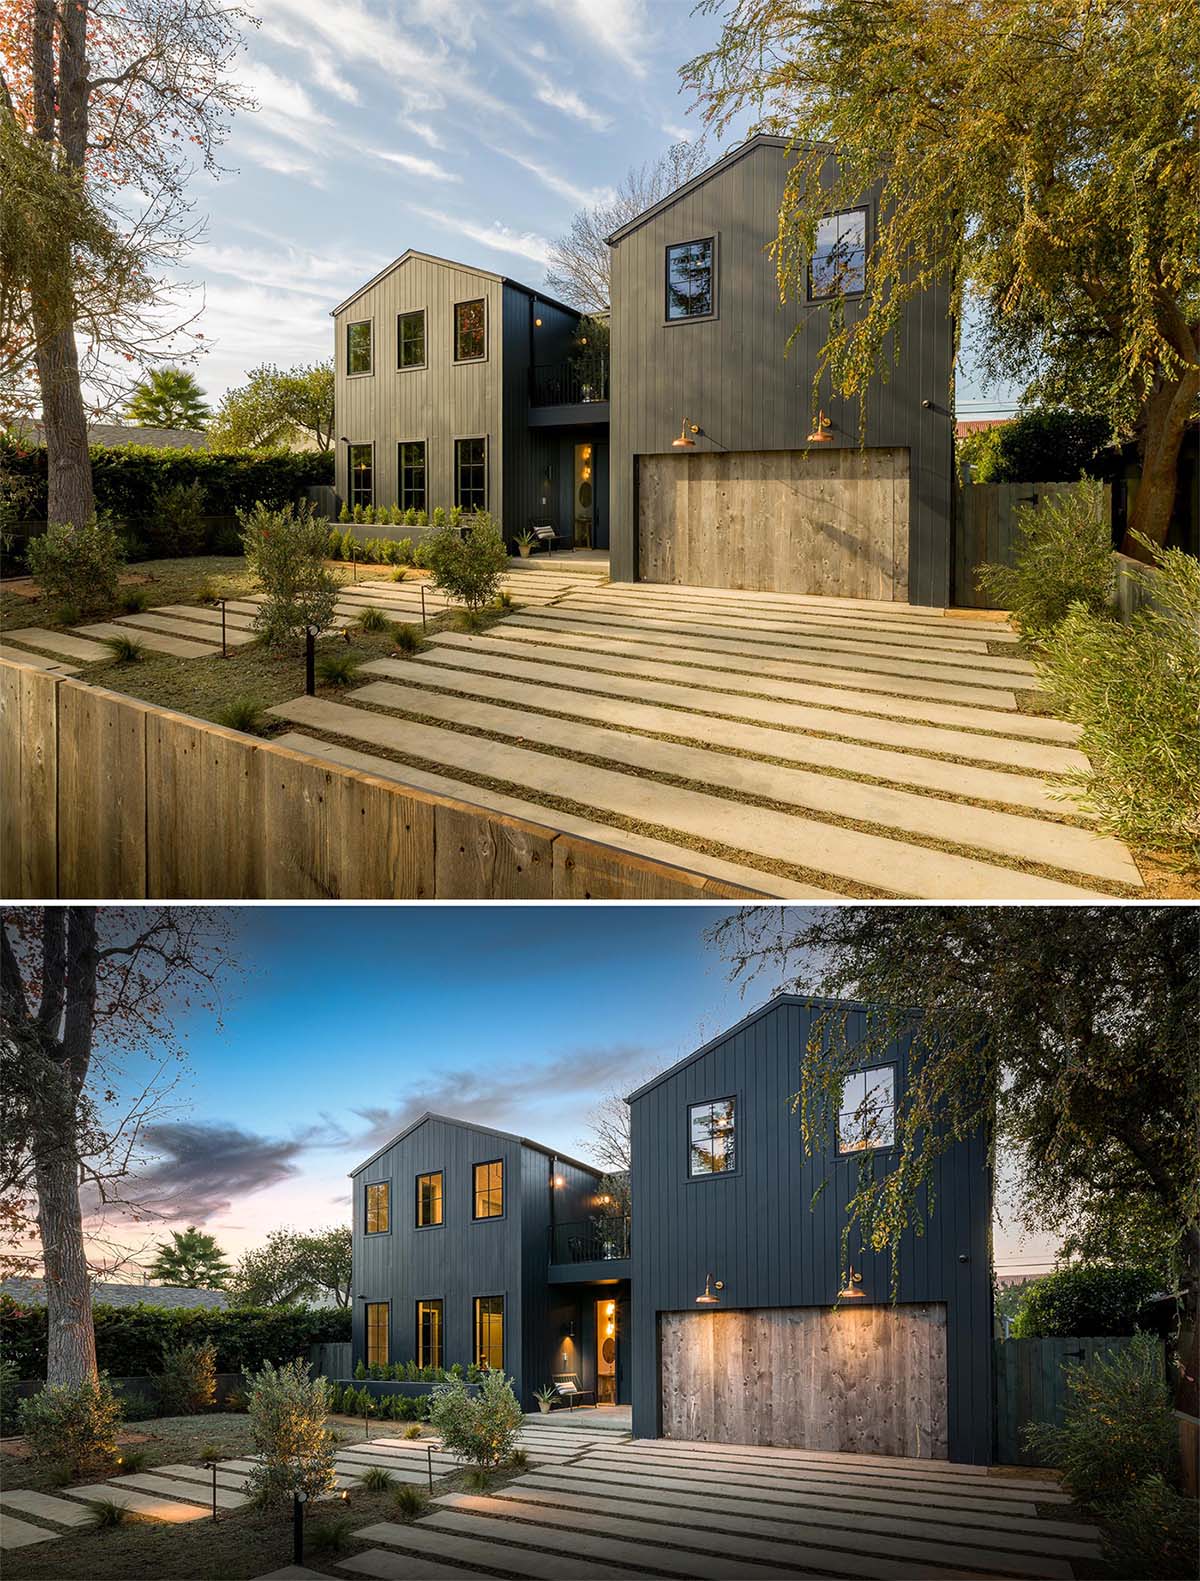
(606, 1351)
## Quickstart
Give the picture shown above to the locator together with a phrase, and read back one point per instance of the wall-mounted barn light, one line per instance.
(853, 1290)
(820, 434)
(709, 1296)
(537, 323)
(685, 441)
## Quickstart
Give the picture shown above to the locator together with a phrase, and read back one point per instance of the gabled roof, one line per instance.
(33, 1291)
(804, 1000)
(451, 263)
(471, 1125)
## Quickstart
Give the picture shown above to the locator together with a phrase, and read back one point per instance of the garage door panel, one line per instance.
(833, 523)
(865, 1380)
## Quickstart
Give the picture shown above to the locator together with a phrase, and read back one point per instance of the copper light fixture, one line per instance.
(685, 441)
(709, 1296)
(820, 434)
(852, 1292)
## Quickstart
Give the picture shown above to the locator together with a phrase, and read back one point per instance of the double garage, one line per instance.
(827, 521)
(862, 1379)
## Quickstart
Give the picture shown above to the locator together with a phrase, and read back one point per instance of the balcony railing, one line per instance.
(599, 1240)
(576, 383)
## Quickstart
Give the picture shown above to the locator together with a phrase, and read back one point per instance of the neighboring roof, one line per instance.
(452, 263)
(130, 434)
(33, 1292)
(977, 425)
(471, 1125)
(740, 1026)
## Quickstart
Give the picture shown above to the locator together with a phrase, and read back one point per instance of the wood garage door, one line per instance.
(870, 1380)
(832, 522)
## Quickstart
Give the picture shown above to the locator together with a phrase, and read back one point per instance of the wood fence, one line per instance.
(1031, 1386)
(985, 525)
(332, 1359)
(104, 797)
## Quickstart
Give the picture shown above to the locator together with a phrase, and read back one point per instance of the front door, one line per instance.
(585, 495)
(606, 1351)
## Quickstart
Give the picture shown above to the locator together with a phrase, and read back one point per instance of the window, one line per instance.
(429, 1200)
(711, 1148)
(412, 475)
(429, 1333)
(377, 1333)
(378, 1209)
(489, 1190)
(470, 474)
(358, 347)
(470, 331)
(838, 266)
(489, 1331)
(867, 1117)
(360, 460)
(691, 279)
(410, 339)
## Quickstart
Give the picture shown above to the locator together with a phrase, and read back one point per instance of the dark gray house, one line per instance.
(727, 1315)
(457, 386)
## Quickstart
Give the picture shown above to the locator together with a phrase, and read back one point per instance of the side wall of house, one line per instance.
(553, 1315)
(759, 1231)
(537, 479)
(737, 377)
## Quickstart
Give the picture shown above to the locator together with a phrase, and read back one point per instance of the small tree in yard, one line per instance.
(1062, 556)
(191, 1259)
(78, 566)
(287, 1421)
(73, 1423)
(188, 1381)
(286, 549)
(468, 567)
(483, 1427)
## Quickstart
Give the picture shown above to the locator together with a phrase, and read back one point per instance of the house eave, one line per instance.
(487, 1130)
(452, 263)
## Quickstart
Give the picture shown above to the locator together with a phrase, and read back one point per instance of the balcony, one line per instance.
(569, 392)
(588, 1249)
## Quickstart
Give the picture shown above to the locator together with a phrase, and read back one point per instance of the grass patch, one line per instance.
(409, 1502)
(407, 638)
(338, 669)
(373, 619)
(107, 1513)
(125, 650)
(243, 713)
(375, 1479)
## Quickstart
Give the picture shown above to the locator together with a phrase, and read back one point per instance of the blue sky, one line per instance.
(473, 129)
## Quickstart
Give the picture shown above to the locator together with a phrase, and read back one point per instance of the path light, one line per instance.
(709, 1297)
(211, 1465)
(852, 1292)
(685, 441)
(299, 1500)
(820, 434)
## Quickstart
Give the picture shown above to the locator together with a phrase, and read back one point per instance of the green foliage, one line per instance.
(1150, 1534)
(289, 1266)
(409, 1502)
(518, 1460)
(137, 1407)
(75, 1424)
(469, 620)
(1042, 445)
(482, 1427)
(243, 713)
(286, 551)
(1062, 555)
(125, 649)
(191, 1259)
(131, 1460)
(168, 398)
(407, 638)
(287, 1417)
(479, 1479)
(338, 669)
(375, 1479)
(77, 565)
(1118, 1428)
(344, 513)
(107, 1513)
(360, 1370)
(132, 600)
(8, 1397)
(332, 1536)
(1086, 1300)
(373, 619)
(277, 408)
(179, 508)
(413, 1430)
(188, 1381)
(1133, 688)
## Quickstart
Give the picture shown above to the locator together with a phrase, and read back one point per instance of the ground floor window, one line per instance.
(489, 1331)
(412, 475)
(377, 1333)
(429, 1333)
(360, 459)
(470, 474)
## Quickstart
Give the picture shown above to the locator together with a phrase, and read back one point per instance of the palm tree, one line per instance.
(191, 1259)
(168, 398)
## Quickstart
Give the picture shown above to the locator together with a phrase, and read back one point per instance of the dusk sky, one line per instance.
(345, 1023)
(473, 129)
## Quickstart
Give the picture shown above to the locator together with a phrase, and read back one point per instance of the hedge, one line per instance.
(1088, 1300)
(130, 1341)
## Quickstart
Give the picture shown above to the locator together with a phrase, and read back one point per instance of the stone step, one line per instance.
(38, 661)
(198, 630)
(763, 740)
(197, 1474)
(61, 642)
(875, 861)
(394, 1567)
(16, 1533)
(895, 811)
(170, 1510)
(463, 1546)
(45, 1505)
(176, 1488)
(210, 615)
(881, 609)
(156, 642)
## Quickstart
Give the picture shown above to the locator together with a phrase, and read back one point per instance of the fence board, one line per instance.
(985, 528)
(102, 772)
(1031, 1386)
(28, 782)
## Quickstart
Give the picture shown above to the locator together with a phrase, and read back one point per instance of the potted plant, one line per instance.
(545, 1399)
(525, 543)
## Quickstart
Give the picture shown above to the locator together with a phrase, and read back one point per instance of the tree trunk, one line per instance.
(1187, 1387)
(68, 463)
(71, 1337)
(1168, 414)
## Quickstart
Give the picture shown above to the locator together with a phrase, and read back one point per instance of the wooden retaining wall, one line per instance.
(104, 797)
(985, 525)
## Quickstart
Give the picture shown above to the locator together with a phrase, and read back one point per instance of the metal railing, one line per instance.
(599, 1240)
(576, 383)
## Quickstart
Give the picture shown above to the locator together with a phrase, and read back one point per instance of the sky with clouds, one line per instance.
(343, 1024)
(472, 129)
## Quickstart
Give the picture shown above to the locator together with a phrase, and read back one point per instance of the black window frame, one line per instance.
(488, 1218)
(401, 365)
(470, 439)
(429, 1174)
(387, 1333)
(402, 499)
(469, 301)
(873, 1147)
(833, 296)
(361, 373)
(670, 318)
(368, 1187)
(419, 1351)
(734, 1100)
(354, 489)
(476, 1314)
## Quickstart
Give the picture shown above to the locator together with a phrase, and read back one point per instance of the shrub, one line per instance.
(468, 567)
(482, 1428)
(373, 619)
(375, 1479)
(211, 1452)
(360, 1371)
(137, 1407)
(1118, 1428)
(1043, 445)
(132, 600)
(76, 1424)
(338, 669)
(188, 1381)
(107, 1513)
(131, 1460)
(77, 565)
(1085, 1300)
(1133, 688)
(479, 1478)
(408, 638)
(287, 1417)
(330, 1536)
(504, 599)
(413, 1430)
(409, 1502)
(1062, 555)
(8, 1397)
(125, 649)
(286, 550)
(1151, 1534)
(68, 615)
(469, 620)
(343, 516)
(179, 508)
(242, 713)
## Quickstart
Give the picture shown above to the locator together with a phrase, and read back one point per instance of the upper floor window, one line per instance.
(377, 1333)
(429, 1200)
(838, 266)
(691, 279)
(489, 1190)
(410, 339)
(867, 1117)
(489, 1331)
(470, 474)
(378, 1214)
(412, 475)
(429, 1333)
(358, 347)
(470, 330)
(360, 460)
(711, 1133)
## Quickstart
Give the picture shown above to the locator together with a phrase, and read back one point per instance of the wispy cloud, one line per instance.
(580, 197)
(415, 165)
(285, 108)
(525, 244)
(620, 28)
(570, 103)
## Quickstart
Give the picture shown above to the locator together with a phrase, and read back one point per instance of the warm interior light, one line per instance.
(820, 434)
(852, 1292)
(587, 452)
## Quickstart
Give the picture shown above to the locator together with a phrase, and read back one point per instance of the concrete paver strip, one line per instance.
(39, 661)
(179, 1488)
(16, 1533)
(61, 642)
(196, 630)
(198, 1474)
(1035, 840)
(31, 1502)
(397, 1567)
(170, 1510)
(464, 1546)
(209, 615)
(157, 642)
(293, 1573)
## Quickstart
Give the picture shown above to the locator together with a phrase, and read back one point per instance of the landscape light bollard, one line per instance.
(310, 661)
(367, 1417)
(429, 1454)
(299, 1500)
(422, 606)
(224, 654)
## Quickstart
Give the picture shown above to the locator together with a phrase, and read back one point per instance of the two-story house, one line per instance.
(727, 1314)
